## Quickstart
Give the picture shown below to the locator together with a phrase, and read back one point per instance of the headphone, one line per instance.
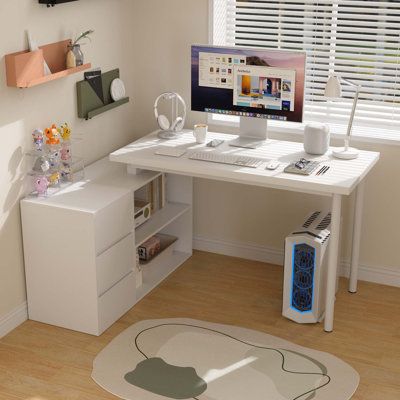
(169, 130)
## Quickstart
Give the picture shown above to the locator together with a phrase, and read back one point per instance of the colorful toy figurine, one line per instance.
(65, 132)
(65, 152)
(54, 179)
(66, 173)
(41, 164)
(38, 139)
(53, 136)
(54, 159)
(41, 185)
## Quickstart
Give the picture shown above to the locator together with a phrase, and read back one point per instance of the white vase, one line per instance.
(316, 138)
(71, 59)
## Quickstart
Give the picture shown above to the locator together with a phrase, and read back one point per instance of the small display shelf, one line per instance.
(89, 104)
(25, 68)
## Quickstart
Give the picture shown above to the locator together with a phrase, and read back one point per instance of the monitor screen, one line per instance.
(248, 82)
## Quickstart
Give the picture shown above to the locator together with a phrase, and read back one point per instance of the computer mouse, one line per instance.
(272, 165)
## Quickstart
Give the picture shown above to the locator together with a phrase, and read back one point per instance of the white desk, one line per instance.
(343, 177)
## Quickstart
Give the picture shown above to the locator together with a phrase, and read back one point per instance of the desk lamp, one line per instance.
(333, 90)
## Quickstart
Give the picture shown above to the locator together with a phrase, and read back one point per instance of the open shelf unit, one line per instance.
(174, 219)
(25, 69)
(159, 220)
(158, 269)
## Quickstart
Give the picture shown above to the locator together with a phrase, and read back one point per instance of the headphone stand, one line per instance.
(170, 129)
(169, 135)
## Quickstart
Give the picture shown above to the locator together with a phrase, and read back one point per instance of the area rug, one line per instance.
(190, 359)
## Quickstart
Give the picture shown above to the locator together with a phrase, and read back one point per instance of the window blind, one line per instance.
(356, 39)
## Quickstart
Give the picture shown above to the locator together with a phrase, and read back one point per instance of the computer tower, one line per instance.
(306, 258)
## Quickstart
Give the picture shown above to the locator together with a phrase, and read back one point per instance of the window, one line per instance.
(356, 39)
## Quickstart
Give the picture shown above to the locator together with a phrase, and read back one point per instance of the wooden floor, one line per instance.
(41, 362)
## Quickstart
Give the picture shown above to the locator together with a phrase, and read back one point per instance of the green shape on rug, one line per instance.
(159, 377)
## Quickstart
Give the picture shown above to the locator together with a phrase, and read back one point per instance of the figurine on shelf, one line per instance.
(38, 139)
(66, 173)
(65, 132)
(41, 165)
(54, 179)
(65, 152)
(41, 185)
(54, 159)
(53, 137)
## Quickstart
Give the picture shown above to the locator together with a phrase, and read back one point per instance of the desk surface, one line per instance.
(342, 177)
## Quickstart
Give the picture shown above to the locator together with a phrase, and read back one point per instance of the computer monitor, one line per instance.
(253, 83)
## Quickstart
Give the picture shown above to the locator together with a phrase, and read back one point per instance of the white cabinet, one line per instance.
(115, 263)
(79, 248)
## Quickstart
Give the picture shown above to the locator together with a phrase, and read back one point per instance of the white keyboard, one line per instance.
(230, 159)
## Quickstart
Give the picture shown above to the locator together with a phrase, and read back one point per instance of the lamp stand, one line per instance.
(347, 152)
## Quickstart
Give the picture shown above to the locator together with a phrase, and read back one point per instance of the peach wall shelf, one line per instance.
(25, 68)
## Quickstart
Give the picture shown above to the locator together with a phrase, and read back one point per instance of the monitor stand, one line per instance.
(253, 133)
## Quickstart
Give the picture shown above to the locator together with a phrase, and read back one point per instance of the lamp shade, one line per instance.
(333, 88)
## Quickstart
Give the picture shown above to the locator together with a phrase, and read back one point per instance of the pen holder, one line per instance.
(316, 138)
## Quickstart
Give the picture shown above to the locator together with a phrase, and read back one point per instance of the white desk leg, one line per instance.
(355, 251)
(333, 257)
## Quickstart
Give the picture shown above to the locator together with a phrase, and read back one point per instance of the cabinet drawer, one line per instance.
(115, 263)
(114, 222)
(116, 302)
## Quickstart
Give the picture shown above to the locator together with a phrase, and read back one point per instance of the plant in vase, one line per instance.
(75, 56)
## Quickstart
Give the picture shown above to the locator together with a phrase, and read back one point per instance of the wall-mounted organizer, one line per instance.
(89, 103)
(52, 3)
(26, 68)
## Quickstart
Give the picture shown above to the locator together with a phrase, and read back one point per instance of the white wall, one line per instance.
(236, 213)
(21, 111)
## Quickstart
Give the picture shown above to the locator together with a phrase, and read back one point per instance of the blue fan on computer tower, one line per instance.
(305, 269)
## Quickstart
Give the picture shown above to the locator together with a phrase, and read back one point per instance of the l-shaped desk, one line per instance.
(343, 177)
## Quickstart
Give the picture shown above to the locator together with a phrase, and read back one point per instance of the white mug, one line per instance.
(200, 133)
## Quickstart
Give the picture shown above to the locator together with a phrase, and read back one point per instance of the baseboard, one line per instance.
(371, 273)
(248, 251)
(377, 274)
(13, 319)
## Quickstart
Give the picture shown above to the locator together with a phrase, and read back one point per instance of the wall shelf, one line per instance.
(89, 104)
(107, 107)
(52, 3)
(25, 69)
